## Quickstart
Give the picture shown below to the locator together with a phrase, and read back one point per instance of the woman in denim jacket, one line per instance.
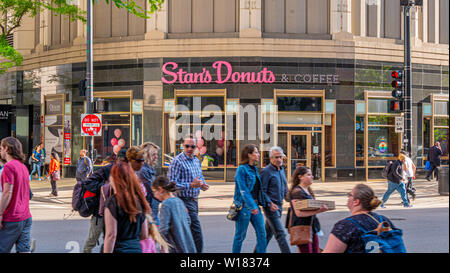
(248, 195)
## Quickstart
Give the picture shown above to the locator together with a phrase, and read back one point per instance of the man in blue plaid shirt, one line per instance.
(186, 171)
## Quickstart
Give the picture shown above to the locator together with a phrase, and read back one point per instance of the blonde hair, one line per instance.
(401, 157)
(148, 148)
(156, 236)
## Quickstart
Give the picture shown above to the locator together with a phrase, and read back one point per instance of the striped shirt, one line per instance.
(183, 170)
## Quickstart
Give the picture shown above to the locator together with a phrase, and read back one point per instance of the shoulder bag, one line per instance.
(299, 235)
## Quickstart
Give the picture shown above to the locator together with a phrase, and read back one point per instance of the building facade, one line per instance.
(312, 76)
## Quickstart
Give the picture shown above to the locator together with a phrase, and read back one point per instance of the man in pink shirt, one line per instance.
(15, 216)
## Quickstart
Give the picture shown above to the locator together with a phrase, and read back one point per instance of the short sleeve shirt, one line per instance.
(350, 234)
(128, 233)
(409, 169)
(16, 174)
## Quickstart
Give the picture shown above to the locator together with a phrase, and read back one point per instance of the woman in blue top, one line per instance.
(36, 162)
(248, 195)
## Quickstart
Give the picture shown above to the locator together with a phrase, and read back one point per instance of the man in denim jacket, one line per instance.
(274, 188)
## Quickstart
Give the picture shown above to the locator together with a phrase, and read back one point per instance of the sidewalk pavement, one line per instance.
(220, 195)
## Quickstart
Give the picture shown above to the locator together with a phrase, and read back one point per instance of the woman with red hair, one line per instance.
(125, 209)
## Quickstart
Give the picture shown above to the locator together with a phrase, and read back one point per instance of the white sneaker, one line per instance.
(33, 245)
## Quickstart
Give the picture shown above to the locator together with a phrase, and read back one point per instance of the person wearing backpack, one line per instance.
(396, 181)
(92, 185)
(84, 166)
(349, 235)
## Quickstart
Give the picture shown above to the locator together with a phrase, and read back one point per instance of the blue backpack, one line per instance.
(383, 239)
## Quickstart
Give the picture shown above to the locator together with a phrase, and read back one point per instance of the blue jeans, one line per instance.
(196, 229)
(244, 219)
(36, 167)
(16, 233)
(400, 187)
(274, 226)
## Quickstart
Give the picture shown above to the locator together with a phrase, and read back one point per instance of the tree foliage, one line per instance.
(12, 13)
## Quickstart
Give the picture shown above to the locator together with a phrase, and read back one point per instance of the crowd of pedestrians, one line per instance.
(138, 211)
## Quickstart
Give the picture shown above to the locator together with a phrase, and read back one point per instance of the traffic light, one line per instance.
(396, 105)
(100, 106)
(82, 88)
(397, 83)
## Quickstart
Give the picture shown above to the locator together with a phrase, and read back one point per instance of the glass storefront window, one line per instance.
(381, 120)
(113, 139)
(329, 134)
(382, 142)
(359, 128)
(287, 118)
(426, 136)
(118, 104)
(441, 135)
(199, 103)
(441, 107)
(313, 104)
(115, 119)
(440, 121)
(169, 137)
(380, 106)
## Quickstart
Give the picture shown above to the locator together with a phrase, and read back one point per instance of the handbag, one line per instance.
(56, 175)
(299, 235)
(427, 166)
(233, 212)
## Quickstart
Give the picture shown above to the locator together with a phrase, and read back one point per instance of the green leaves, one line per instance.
(12, 13)
(13, 58)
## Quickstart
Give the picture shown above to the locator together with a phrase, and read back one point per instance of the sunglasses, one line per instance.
(187, 146)
(139, 160)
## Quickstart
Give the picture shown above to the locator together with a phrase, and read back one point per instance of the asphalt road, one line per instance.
(425, 230)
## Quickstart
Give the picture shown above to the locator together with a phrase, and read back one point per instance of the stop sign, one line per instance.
(91, 125)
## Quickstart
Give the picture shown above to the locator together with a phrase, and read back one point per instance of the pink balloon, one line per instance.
(116, 149)
(202, 150)
(117, 133)
(121, 142)
(113, 141)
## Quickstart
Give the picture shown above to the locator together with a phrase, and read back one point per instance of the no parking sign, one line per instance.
(91, 125)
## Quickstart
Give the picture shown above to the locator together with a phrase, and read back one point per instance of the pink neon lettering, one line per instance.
(222, 68)
(170, 73)
(218, 66)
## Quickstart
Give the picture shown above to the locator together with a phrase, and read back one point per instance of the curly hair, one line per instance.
(134, 153)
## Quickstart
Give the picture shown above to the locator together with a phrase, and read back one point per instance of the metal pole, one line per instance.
(89, 75)
(408, 80)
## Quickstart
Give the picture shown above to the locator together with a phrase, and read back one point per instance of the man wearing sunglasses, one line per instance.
(186, 171)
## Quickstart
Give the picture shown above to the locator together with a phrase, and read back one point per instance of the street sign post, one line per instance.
(91, 125)
(399, 124)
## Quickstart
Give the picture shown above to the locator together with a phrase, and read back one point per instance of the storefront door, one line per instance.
(304, 149)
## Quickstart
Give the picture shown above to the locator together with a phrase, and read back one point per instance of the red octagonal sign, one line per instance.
(91, 125)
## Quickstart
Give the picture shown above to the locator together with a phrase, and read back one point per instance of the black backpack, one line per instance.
(83, 201)
(386, 169)
(86, 202)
